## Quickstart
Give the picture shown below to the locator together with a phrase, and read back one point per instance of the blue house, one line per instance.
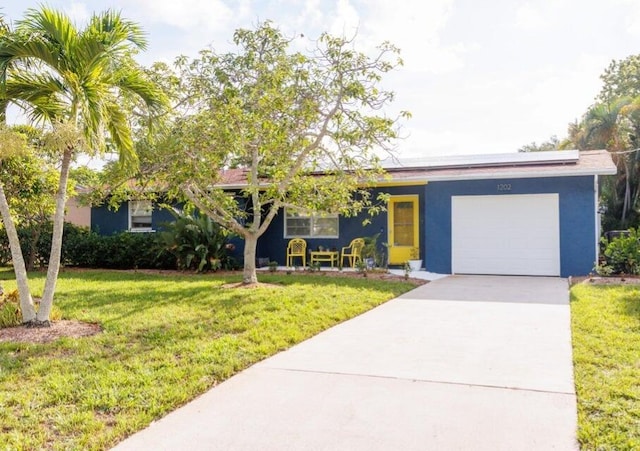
(505, 214)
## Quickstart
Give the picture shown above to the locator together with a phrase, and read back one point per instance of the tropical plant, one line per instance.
(197, 242)
(75, 80)
(614, 126)
(622, 254)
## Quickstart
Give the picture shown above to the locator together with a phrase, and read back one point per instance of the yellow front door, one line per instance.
(404, 241)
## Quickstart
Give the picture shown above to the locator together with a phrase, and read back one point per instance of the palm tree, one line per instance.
(11, 145)
(608, 126)
(75, 80)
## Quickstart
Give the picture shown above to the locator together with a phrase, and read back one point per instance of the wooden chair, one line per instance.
(353, 252)
(297, 247)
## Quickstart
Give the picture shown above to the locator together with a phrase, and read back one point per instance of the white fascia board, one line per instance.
(478, 176)
(456, 161)
(505, 175)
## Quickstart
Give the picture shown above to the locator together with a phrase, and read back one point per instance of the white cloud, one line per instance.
(78, 13)
(632, 19)
(530, 18)
(415, 27)
(346, 20)
(191, 16)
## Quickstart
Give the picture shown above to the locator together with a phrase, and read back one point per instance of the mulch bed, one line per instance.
(58, 329)
(611, 280)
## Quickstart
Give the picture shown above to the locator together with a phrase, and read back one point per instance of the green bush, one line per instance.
(128, 250)
(84, 248)
(622, 254)
(197, 243)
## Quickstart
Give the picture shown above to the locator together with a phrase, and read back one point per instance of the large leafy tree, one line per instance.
(282, 118)
(75, 80)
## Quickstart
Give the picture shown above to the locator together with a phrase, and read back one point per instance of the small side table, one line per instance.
(325, 256)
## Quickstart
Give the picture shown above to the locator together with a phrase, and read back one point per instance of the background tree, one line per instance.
(13, 146)
(620, 79)
(75, 80)
(30, 185)
(552, 143)
(613, 123)
(282, 117)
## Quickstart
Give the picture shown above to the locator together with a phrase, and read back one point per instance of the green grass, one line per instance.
(606, 348)
(166, 339)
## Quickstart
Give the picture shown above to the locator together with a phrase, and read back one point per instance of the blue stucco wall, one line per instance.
(107, 222)
(273, 244)
(577, 217)
(577, 221)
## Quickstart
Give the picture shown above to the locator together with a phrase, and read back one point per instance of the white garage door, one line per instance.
(508, 234)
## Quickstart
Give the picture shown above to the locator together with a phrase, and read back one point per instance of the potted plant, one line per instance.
(415, 262)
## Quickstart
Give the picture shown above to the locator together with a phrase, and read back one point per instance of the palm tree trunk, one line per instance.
(26, 302)
(56, 242)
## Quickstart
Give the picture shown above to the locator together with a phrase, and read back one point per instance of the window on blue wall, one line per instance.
(140, 215)
(310, 225)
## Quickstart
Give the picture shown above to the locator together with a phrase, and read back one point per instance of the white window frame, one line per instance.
(131, 204)
(312, 217)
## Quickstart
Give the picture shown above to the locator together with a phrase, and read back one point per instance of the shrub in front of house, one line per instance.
(84, 248)
(190, 243)
(622, 254)
(87, 249)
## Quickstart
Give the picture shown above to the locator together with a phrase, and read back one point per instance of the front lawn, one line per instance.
(166, 339)
(606, 352)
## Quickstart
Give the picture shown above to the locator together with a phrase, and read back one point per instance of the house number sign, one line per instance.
(504, 186)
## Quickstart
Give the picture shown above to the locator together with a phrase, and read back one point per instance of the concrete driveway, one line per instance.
(462, 363)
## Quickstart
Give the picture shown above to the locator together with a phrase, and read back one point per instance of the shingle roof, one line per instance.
(591, 162)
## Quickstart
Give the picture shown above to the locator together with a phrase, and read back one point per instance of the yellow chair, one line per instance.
(353, 252)
(297, 247)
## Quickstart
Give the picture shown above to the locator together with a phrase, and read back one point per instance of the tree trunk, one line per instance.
(33, 248)
(26, 302)
(250, 244)
(56, 241)
(626, 204)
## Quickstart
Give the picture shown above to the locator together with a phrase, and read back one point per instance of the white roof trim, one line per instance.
(505, 175)
(498, 159)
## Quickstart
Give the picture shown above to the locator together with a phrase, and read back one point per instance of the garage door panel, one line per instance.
(508, 234)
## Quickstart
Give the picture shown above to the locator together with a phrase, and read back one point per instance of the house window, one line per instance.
(140, 215)
(306, 225)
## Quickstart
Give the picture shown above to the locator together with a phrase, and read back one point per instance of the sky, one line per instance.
(479, 77)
